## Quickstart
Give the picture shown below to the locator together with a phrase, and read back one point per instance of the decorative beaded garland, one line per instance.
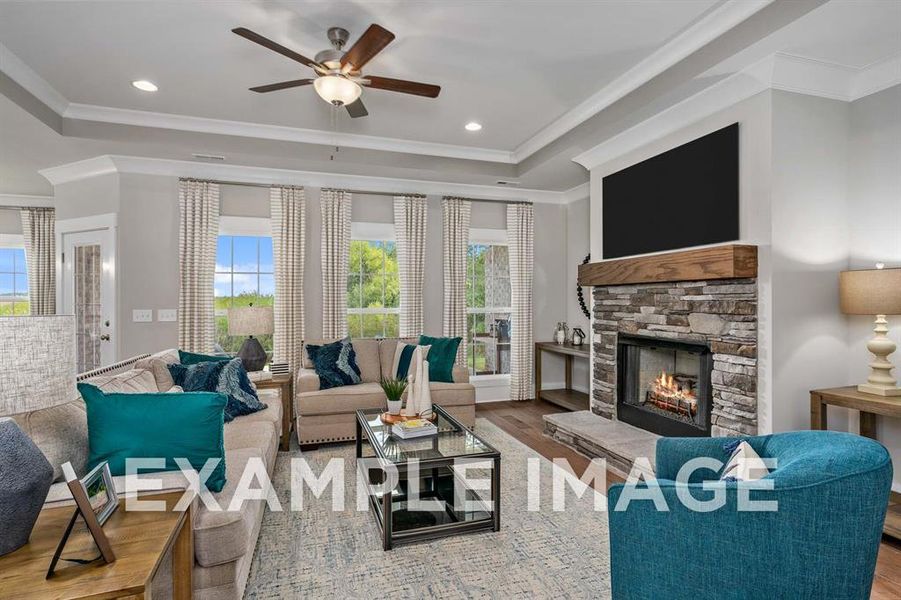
(579, 292)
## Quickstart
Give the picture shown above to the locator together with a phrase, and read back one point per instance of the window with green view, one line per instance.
(373, 289)
(244, 276)
(488, 306)
(13, 282)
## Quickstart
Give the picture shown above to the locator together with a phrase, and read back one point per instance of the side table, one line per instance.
(285, 383)
(869, 406)
(141, 540)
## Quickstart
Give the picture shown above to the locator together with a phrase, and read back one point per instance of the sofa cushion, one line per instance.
(122, 426)
(133, 381)
(167, 356)
(344, 399)
(222, 536)
(452, 394)
(160, 370)
(61, 433)
(258, 435)
(367, 356)
(273, 412)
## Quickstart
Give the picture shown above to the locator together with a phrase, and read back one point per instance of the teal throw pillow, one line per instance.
(192, 358)
(335, 364)
(156, 425)
(442, 355)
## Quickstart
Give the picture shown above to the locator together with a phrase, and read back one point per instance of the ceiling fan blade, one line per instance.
(402, 86)
(356, 109)
(370, 43)
(282, 85)
(267, 43)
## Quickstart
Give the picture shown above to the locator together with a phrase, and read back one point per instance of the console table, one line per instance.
(284, 382)
(565, 397)
(869, 406)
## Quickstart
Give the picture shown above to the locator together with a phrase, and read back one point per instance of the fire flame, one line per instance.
(665, 383)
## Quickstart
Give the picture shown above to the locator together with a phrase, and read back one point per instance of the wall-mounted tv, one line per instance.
(687, 196)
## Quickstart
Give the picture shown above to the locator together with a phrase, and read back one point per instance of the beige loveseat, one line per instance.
(328, 415)
(224, 541)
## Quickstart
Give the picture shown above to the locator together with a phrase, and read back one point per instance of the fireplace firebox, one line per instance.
(663, 386)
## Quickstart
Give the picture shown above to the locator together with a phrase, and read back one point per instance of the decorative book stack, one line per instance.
(413, 428)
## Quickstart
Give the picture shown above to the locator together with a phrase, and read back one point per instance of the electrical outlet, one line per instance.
(166, 315)
(142, 315)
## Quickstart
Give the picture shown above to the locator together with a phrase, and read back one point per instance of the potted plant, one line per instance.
(394, 391)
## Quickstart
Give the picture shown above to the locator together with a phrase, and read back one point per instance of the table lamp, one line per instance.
(874, 292)
(37, 371)
(250, 321)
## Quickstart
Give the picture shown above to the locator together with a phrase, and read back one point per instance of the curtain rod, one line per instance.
(369, 193)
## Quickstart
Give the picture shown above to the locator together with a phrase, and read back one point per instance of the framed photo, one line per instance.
(95, 500)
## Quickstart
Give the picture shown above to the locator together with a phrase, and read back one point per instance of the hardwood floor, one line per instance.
(523, 421)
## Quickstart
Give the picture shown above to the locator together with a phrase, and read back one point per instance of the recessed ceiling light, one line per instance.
(473, 126)
(144, 85)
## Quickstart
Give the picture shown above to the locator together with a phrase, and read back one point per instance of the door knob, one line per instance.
(105, 337)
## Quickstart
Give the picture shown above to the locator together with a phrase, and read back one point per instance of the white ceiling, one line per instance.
(513, 66)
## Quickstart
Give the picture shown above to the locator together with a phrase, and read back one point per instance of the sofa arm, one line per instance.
(461, 374)
(307, 381)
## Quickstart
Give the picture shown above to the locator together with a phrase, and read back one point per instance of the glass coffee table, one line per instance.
(445, 469)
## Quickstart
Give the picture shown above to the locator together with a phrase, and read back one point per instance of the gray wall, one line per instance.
(10, 221)
(578, 217)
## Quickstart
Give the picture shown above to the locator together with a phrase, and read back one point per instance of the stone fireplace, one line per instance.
(677, 356)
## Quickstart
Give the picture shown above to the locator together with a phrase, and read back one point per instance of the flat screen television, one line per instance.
(687, 196)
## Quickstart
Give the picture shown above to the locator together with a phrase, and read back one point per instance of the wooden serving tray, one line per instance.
(392, 419)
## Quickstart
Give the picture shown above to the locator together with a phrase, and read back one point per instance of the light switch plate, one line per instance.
(165, 315)
(142, 315)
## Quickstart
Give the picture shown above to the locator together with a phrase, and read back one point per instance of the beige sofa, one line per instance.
(328, 415)
(224, 541)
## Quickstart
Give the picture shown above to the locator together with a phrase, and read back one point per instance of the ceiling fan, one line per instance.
(339, 79)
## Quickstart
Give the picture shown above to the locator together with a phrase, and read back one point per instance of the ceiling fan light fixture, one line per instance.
(337, 90)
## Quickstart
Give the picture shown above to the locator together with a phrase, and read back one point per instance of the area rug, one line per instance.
(317, 553)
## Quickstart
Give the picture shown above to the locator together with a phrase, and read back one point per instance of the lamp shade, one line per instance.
(37, 364)
(870, 292)
(250, 320)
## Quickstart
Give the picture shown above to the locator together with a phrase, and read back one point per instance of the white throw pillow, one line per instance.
(397, 357)
(744, 465)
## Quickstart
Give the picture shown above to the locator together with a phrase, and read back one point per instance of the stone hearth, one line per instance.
(721, 313)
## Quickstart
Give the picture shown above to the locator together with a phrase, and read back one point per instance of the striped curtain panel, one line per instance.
(456, 248)
(410, 214)
(287, 207)
(198, 230)
(336, 209)
(39, 231)
(521, 245)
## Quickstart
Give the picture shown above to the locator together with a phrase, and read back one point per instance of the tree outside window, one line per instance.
(488, 306)
(13, 283)
(244, 276)
(373, 290)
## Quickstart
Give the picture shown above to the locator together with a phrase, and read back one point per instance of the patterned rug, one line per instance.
(317, 553)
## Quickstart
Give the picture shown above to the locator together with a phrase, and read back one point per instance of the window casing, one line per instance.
(244, 275)
(13, 281)
(489, 323)
(373, 289)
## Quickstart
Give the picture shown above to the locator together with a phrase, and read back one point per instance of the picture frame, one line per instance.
(95, 500)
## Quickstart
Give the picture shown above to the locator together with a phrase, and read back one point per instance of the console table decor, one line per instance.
(566, 396)
(869, 406)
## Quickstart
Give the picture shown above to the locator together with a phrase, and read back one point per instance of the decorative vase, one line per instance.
(561, 333)
(394, 406)
(25, 478)
(578, 336)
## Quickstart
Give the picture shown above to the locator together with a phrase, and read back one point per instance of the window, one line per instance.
(244, 276)
(488, 307)
(373, 289)
(13, 282)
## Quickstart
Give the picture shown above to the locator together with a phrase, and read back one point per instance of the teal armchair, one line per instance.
(832, 489)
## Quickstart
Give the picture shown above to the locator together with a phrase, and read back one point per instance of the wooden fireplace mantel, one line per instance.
(731, 261)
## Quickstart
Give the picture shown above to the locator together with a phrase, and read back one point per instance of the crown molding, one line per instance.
(141, 118)
(36, 85)
(778, 71)
(700, 33)
(575, 193)
(102, 165)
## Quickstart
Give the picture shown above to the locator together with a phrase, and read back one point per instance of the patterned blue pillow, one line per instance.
(227, 378)
(335, 363)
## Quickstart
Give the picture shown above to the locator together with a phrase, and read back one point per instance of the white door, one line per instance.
(89, 292)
